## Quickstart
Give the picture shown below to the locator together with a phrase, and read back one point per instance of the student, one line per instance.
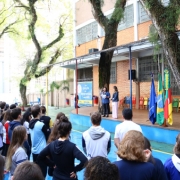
(2, 163)
(27, 171)
(134, 165)
(172, 165)
(16, 153)
(16, 116)
(125, 126)
(12, 106)
(160, 172)
(7, 119)
(105, 102)
(100, 168)
(96, 141)
(63, 154)
(46, 119)
(55, 133)
(39, 135)
(115, 99)
(2, 106)
(25, 122)
(58, 117)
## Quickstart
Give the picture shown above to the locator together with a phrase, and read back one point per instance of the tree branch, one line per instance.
(98, 13)
(60, 35)
(5, 30)
(53, 60)
(22, 5)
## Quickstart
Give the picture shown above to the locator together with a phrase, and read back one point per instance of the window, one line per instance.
(113, 76)
(85, 74)
(147, 65)
(87, 33)
(143, 16)
(128, 18)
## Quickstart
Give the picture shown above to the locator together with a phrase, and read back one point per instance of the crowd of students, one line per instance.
(54, 154)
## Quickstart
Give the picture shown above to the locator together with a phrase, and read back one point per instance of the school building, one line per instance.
(133, 30)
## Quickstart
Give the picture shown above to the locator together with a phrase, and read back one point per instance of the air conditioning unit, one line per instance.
(93, 50)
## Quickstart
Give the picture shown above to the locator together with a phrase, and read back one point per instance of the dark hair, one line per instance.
(15, 113)
(127, 114)
(100, 168)
(43, 109)
(64, 126)
(26, 117)
(12, 106)
(7, 116)
(54, 133)
(115, 88)
(28, 171)
(35, 110)
(58, 117)
(6, 107)
(95, 118)
(2, 163)
(2, 105)
(177, 145)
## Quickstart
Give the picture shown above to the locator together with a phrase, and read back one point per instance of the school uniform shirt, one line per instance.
(62, 156)
(96, 141)
(18, 157)
(5, 133)
(39, 135)
(133, 170)
(123, 128)
(172, 167)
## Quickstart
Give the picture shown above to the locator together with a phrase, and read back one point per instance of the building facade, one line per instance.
(133, 29)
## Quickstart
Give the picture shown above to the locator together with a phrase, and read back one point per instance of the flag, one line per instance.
(168, 107)
(160, 102)
(152, 103)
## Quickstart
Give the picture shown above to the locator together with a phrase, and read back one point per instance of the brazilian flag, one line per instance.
(160, 102)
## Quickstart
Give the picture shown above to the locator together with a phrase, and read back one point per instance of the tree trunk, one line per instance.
(166, 28)
(23, 94)
(106, 57)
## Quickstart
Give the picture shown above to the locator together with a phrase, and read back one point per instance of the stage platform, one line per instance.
(153, 132)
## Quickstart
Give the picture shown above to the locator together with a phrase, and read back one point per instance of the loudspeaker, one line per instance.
(133, 74)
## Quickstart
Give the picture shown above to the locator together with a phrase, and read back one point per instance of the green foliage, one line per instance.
(154, 39)
(63, 85)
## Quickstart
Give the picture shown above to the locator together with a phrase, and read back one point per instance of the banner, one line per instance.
(85, 93)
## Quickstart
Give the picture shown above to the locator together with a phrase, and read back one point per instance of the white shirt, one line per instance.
(26, 125)
(124, 127)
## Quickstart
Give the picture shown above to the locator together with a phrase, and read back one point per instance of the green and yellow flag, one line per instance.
(160, 102)
(168, 100)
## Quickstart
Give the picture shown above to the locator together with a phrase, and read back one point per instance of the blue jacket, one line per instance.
(172, 172)
(12, 125)
(105, 97)
(115, 97)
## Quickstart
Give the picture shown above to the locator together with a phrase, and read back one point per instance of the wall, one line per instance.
(85, 14)
(55, 99)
